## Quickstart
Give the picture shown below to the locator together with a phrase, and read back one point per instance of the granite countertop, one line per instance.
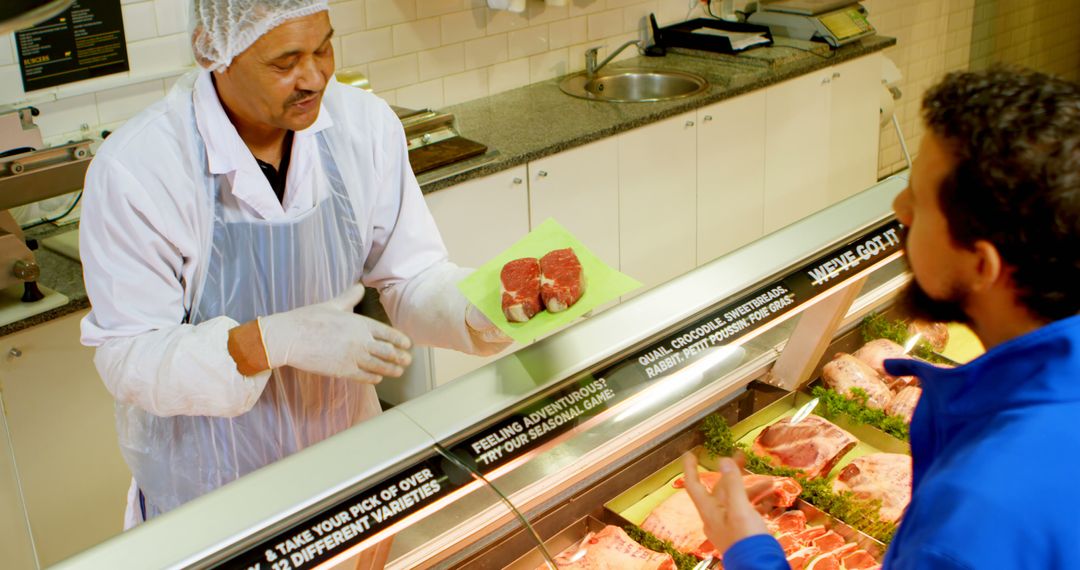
(539, 120)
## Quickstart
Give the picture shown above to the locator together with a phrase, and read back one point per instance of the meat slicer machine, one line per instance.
(29, 172)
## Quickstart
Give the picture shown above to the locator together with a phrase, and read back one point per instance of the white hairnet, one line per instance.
(225, 28)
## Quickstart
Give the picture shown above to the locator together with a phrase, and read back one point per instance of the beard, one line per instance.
(915, 302)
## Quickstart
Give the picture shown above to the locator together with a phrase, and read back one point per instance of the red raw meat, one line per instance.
(798, 559)
(611, 549)
(789, 543)
(824, 562)
(520, 282)
(859, 560)
(810, 533)
(789, 522)
(882, 476)
(677, 520)
(813, 445)
(829, 541)
(562, 281)
(782, 492)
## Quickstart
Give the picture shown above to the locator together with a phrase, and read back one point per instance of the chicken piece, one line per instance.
(845, 372)
(937, 334)
(874, 354)
(904, 402)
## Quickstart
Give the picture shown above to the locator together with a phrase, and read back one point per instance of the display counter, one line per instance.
(550, 433)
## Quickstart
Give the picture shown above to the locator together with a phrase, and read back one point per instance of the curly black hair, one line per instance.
(1015, 137)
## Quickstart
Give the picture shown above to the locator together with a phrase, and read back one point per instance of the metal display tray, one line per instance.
(634, 504)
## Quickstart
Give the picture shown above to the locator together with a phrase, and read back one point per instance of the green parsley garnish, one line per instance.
(857, 513)
(834, 404)
(650, 541)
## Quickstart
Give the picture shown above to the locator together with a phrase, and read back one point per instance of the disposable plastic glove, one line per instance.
(483, 327)
(328, 339)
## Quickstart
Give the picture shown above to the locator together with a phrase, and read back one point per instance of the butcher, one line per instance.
(992, 212)
(228, 232)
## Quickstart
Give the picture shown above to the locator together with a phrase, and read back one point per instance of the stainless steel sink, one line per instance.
(632, 85)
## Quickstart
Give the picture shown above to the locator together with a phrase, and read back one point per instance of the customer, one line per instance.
(993, 217)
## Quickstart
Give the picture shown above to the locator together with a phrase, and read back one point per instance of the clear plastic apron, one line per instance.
(257, 268)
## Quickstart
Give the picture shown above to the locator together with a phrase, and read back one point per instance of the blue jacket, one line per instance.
(996, 455)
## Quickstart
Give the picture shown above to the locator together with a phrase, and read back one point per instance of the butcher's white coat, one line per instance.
(145, 235)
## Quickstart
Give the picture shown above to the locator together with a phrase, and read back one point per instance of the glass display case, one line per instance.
(551, 433)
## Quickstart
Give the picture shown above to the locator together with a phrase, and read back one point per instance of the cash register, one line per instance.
(837, 22)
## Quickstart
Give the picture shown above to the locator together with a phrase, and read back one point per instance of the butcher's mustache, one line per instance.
(300, 96)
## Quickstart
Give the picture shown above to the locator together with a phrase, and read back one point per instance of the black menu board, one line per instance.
(83, 42)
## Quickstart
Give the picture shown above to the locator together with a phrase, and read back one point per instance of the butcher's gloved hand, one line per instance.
(726, 510)
(484, 328)
(328, 339)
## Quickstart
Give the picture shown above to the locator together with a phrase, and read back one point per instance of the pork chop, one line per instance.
(813, 445)
(882, 476)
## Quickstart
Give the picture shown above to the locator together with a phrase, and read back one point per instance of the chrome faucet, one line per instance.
(591, 66)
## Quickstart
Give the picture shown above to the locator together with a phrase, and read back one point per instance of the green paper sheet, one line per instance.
(602, 283)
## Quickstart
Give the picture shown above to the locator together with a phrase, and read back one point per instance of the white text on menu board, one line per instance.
(711, 333)
(535, 424)
(354, 519)
(851, 258)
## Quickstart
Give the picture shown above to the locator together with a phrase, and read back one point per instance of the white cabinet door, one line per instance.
(796, 148)
(60, 418)
(579, 188)
(657, 200)
(478, 219)
(854, 126)
(731, 175)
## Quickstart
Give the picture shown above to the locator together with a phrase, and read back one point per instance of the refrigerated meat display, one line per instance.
(536, 448)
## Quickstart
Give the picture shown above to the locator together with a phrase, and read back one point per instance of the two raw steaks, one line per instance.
(555, 281)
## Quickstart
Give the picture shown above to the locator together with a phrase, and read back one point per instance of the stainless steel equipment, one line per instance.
(434, 141)
(838, 22)
(599, 405)
(30, 172)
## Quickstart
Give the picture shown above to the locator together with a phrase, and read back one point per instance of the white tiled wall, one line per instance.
(434, 53)
(935, 37)
(416, 52)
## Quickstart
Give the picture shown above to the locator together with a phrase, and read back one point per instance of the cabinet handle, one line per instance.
(836, 75)
(707, 118)
(689, 123)
(14, 353)
(826, 81)
(542, 174)
(517, 180)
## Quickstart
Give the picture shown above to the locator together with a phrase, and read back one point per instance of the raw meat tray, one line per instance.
(568, 537)
(871, 439)
(638, 501)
